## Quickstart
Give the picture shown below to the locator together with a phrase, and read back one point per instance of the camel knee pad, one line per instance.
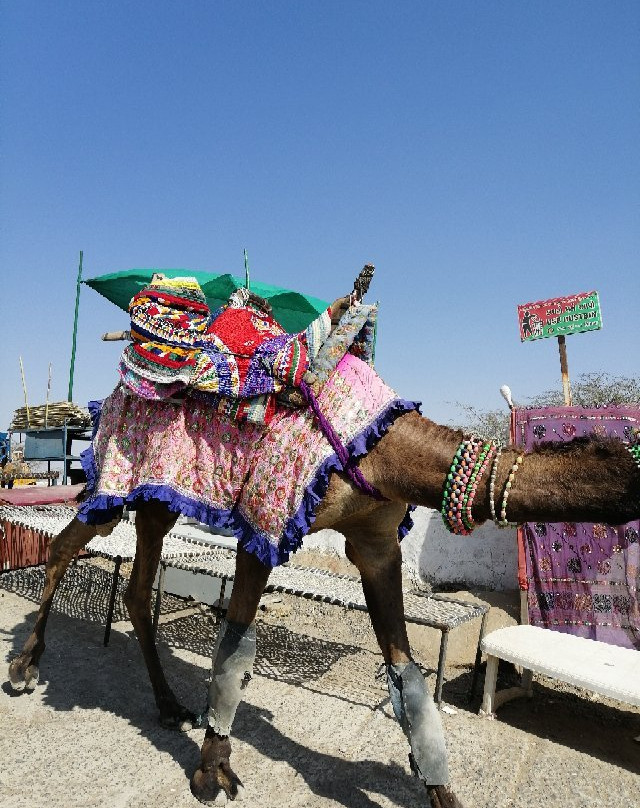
(233, 657)
(420, 721)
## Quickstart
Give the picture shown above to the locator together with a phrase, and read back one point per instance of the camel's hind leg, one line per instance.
(233, 657)
(373, 547)
(153, 522)
(23, 670)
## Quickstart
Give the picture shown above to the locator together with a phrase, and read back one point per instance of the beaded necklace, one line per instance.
(492, 485)
(503, 521)
(470, 462)
(455, 486)
(481, 465)
(634, 451)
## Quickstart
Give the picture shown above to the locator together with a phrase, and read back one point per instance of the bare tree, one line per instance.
(593, 390)
(590, 390)
(490, 424)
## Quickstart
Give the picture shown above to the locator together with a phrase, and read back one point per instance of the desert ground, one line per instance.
(316, 728)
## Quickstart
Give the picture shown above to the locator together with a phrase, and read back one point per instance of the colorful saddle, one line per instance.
(238, 357)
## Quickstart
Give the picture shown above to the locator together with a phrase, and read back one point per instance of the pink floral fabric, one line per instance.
(257, 480)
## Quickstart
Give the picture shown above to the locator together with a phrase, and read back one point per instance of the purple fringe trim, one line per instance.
(407, 523)
(101, 508)
(95, 408)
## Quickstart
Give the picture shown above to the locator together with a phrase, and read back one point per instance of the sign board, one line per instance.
(559, 316)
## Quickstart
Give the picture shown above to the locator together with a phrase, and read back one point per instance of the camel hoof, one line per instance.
(17, 686)
(214, 781)
(211, 790)
(21, 678)
(443, 797)
(178, 718)
(207, 790)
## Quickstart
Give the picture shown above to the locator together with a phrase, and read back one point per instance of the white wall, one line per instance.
(488, 558)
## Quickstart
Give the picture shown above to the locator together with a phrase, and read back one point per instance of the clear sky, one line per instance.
(481, 154)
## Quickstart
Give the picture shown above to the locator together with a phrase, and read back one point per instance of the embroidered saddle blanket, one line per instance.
(264, 483)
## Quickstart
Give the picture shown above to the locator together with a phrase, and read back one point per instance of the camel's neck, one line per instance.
(587, 481)
(411, 462)
(581, 481)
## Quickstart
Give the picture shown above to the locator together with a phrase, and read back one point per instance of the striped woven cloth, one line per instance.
(239, 356)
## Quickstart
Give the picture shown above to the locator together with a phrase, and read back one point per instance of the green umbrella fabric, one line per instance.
(293, 310)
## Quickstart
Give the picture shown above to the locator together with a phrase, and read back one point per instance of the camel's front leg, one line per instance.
(24, 670)
(153, 522)
(376, 553)
(233, 657)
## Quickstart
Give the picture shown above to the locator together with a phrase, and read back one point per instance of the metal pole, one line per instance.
(46, 405)
(440, 675)
(246, 270)
(564, 369)
(112, 599)
(159, 594)
(75, 331)
(24, 387)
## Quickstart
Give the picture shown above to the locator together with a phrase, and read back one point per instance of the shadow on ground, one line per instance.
(77, 672)
(602, 729)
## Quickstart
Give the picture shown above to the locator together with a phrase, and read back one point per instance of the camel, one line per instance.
(415, 461)
(584, 480)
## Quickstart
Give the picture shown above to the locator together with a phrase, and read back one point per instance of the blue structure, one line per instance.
(4, 448)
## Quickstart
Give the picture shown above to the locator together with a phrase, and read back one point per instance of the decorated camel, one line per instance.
(357, 455)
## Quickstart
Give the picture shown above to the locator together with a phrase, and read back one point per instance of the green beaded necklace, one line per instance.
(634, 451)
(470, 462)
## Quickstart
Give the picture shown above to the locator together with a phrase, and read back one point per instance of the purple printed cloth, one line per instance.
(582, 578)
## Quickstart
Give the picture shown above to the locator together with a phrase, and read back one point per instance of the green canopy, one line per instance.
(293, 310)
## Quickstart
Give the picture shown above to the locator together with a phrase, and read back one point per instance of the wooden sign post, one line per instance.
(558, 317)
(564, 370)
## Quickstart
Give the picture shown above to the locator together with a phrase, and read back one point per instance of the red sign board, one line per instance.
(559, 316)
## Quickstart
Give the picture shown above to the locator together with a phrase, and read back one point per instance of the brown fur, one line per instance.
(581, 481)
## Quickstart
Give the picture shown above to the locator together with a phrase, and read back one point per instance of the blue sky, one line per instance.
(481, 154)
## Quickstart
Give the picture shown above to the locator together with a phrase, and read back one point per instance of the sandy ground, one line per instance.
(315, 730)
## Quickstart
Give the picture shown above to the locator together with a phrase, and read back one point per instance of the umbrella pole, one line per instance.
(75, 331)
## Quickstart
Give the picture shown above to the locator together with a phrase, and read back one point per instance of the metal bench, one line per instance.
(597, 666)
(179, 552)
(436, 611)
(118, 547)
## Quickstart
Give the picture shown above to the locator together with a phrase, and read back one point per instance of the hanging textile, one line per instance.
(582, 578)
